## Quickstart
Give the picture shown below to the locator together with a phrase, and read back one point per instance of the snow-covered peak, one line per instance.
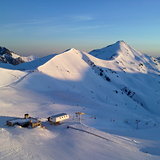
(126, 58)
(4, 50)
(68, 65)
(71, 50)
(122, 45)
(7, 56)
(121, 42)
(112, 51)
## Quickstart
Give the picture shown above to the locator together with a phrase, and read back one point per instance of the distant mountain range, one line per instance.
(7, 56)
(107, 53)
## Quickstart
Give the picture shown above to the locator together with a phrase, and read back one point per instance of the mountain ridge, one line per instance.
(119, 99)
(111, 52)
(7, 56)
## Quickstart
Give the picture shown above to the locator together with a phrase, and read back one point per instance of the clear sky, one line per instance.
(43, 27)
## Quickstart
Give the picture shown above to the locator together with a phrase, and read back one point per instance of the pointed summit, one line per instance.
(108, 52)
(112, 51)
(71, 50)
(121, 43)
(74, 50)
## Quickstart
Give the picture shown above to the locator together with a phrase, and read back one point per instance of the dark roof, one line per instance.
(23, 120)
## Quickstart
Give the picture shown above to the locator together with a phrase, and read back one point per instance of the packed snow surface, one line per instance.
(118, 89)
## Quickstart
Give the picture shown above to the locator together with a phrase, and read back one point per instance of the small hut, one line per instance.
(56, 119)
(27, 121)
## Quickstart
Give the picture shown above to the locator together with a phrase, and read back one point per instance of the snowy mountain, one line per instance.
(127, 57)
(7, 56)
(117, 87)
(131, 69)
(109, 52)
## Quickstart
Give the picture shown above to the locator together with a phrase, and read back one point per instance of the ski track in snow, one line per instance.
(18, 80)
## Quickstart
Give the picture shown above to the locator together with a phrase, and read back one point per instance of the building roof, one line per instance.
(23, 120)
(58, 115)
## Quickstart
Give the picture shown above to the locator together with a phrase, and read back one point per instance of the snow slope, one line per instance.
(134, 73)
(61, 143)
(10, 76)
(30, 64)
(118, 96)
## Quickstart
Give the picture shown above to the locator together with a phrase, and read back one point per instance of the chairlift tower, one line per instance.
(78, 115)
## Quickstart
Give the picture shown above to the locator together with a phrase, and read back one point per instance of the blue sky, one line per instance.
(42, 27)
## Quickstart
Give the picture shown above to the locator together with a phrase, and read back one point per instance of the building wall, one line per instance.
(61, 118)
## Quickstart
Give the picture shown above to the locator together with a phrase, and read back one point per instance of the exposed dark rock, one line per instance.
(6, 56)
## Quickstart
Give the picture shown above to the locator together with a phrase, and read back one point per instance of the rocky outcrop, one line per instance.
(7, 56)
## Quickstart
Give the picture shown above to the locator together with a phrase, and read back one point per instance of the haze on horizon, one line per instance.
(40, 28)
